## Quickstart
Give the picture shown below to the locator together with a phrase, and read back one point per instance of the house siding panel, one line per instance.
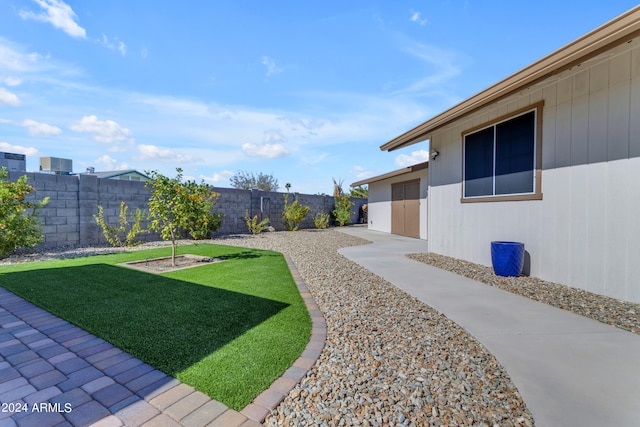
(618, 121)
(598, 107)
(595, 239)
(584, 232)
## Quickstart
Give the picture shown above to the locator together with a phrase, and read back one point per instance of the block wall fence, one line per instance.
(73, 200)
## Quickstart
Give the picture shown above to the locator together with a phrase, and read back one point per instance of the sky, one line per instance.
(304, 91)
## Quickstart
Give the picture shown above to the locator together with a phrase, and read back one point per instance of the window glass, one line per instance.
(500, 159)
(515, 155)
(478, 163)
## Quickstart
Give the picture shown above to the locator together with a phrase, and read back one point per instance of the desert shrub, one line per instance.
(204, 225)
(124, 234)
(19, 225)
(321, 220)
(294, 213)
(342, 210)
(254, 225)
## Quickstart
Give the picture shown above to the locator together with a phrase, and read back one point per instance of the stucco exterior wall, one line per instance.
(380, 201)
(585, 231)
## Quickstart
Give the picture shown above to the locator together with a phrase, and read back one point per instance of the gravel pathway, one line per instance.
(389, 359)
(621, 314)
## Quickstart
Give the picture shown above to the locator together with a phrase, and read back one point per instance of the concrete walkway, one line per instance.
(570, 370)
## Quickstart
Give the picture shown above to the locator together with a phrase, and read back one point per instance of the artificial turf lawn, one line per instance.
(228, 329)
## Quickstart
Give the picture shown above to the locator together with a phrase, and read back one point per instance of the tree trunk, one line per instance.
(173, 249)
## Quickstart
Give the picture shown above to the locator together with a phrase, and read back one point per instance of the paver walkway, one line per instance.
(570, 370)
(53, 373)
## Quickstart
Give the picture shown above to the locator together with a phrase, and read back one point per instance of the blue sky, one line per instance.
(305, 91)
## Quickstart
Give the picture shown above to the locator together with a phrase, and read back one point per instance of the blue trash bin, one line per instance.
(507, 258)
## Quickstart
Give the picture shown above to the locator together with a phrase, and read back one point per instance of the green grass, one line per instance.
(228, 329)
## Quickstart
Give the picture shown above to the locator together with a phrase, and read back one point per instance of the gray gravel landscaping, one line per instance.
(389, 359)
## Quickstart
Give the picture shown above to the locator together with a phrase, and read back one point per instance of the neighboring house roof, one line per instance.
(395, 173)
(113, 174)
(615, 32)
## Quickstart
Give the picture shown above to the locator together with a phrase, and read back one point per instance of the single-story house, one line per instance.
(397, 201)
(549, 156)
(122, 175)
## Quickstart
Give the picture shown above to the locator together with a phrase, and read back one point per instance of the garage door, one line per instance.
(405, 208)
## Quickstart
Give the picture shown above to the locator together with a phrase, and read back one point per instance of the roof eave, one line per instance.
(392, 174)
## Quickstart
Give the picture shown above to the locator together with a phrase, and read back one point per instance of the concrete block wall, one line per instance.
(233, 203)
(73, 201)
(59, 218)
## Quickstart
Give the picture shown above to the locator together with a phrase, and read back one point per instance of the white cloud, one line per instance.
(40, 129)
(110, 164)
(12, 81)
(267, 151)
(116, 44)
(19, 149)
(313, 158)
(272, 68)
(16, 64)
(57, 13)
(360, 172)
(152, 152)
(273, 136)
(8, 98)
(441, 67)
(12, 60)
(217, 177)
(416, 157)
(417, 18)
(102, 130)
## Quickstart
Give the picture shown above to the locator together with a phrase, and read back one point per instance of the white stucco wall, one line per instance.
(585, 232)
(380, 202)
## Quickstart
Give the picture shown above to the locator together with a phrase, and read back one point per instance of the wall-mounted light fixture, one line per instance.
(434, 154)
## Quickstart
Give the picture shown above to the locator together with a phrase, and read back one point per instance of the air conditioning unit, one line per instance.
(56, 165)
(13, 162)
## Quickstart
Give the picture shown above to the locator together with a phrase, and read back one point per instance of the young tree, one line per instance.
(201, 221)
(124, 234)
(19, 226)
(175, 206)
(249, 181)
(342, 210)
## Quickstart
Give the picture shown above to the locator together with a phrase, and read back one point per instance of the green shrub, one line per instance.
(342, 211)
(254, 225)
(294, 213)
(321, 220)
(203, 226)
(19, 226)
(125, 233)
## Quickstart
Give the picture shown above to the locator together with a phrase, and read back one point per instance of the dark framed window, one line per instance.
(501, 160)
